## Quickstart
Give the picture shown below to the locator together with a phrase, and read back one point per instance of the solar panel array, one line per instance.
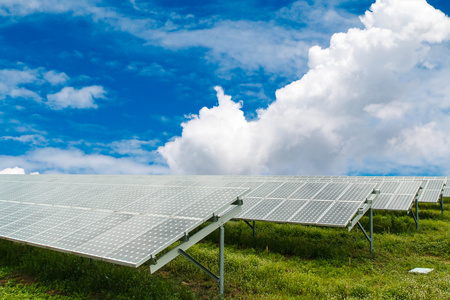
(120, 219)
(310, 203)
(290, 203)
(128, 219)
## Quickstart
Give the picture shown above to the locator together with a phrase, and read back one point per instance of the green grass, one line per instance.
(283, 261)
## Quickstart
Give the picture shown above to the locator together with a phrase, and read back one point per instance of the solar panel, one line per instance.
(430, 196)
(446, 192)
(432, 190)
(121, 219)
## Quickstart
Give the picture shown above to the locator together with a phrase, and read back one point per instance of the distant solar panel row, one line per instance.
(309, 203)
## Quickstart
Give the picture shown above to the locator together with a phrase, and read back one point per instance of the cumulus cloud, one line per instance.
(339, 117)
(15, 170)
(76, 98)
(75, 161)
(27, 83)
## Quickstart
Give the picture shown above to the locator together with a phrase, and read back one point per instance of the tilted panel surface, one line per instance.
(102, 217)
(308, 190)
(357, 192)
(408, 188)
(400, 202)
(285, 211)
(389, 187)
(311, 212)
(382, 201)
(265, 189)
(339, 214)
(446, 192)
(259, 211)
(331, 191)
(286, 189)
(431, 196)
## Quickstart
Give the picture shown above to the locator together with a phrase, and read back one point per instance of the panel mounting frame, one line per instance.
(217, 222)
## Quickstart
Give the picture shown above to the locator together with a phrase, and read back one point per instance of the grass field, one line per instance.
(282, 262)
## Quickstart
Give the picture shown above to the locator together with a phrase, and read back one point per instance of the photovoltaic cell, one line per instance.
(382, 201)
(158, 238)
(357, 192)
(265, 189)
(431, 196)
(308, 190)
(331, 191)
(400, 202)
(409, 188)
(285, 210)
(446, 192)
(311, 212)
(389, 187)
(286, 189)
(339, 214)
(259, 211)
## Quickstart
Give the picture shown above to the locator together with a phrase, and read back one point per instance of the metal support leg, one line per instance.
(221, 261)
(416, 214)
(442, 204)
(219, 278)
(369, 238)
(253, 227)
(371, 229)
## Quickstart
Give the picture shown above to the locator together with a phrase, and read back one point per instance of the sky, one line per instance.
(327, 87)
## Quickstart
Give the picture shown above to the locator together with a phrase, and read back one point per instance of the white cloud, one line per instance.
(27, 83)
(53, 160)
(55, 78)
(76, 98)
(12, 81)
(392, 110)
(323, 123)
(248, 45)
(33, 139)
(15, 170)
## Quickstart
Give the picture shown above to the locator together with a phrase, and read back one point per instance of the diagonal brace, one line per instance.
(253, 227)
(203, 268)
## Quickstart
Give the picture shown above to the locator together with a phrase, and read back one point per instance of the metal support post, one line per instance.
(416, 214)
(221, 261)
(253, 227)
(442, 203)
(371, 229)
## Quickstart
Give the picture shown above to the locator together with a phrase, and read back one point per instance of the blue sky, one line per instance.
(104, 86)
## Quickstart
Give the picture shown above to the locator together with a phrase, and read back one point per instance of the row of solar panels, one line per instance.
(128, 219)
(124, 224)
